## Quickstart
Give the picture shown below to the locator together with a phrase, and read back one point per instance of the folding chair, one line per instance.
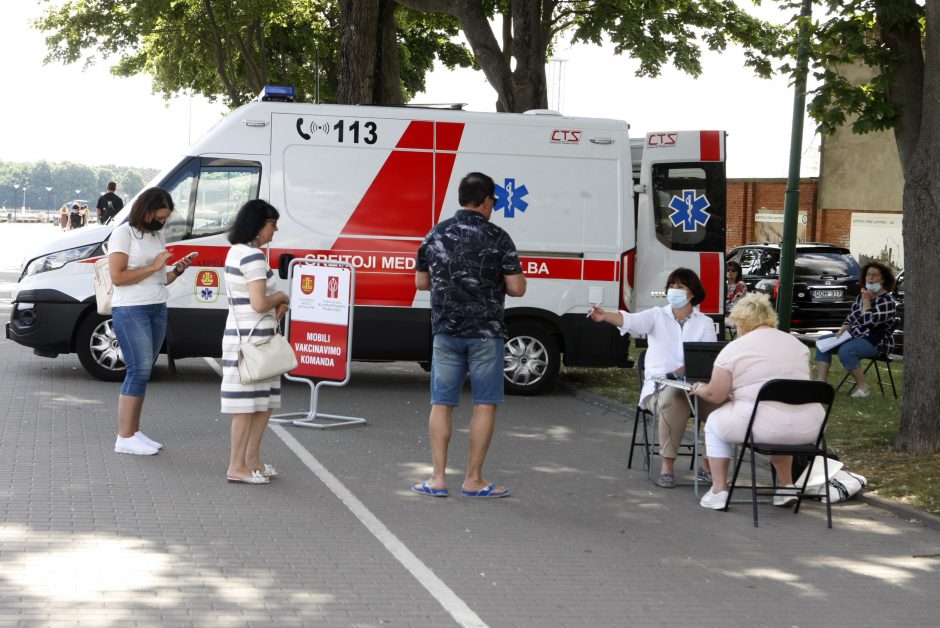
(873, 362)
(648, 420)
(793, 392)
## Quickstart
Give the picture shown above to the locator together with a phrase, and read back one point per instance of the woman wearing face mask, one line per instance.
(138, 258)
(870, 323)
(666, 328)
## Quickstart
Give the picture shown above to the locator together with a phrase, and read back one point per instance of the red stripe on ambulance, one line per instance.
(710, 274)
(710, 145)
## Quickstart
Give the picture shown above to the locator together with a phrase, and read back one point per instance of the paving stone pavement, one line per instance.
(90, 537)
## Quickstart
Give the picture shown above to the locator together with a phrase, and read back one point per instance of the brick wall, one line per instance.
(746, 197)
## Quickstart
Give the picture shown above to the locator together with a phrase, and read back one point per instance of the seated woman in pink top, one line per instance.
(760, 353)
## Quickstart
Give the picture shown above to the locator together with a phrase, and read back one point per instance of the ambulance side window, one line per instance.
(207, 194)
(221, 191)
(689, 205)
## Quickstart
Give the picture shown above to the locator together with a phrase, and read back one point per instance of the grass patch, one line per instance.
(860, 432)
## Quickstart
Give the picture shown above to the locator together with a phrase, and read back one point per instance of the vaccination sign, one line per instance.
(319, 323)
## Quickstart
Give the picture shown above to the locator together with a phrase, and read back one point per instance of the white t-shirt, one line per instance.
(141, 250)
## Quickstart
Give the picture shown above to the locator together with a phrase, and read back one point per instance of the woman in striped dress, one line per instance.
(252, 297)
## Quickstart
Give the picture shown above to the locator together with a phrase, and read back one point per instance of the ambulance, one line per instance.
(597, 218)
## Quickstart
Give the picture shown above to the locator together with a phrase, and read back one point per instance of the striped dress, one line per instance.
(246, 263)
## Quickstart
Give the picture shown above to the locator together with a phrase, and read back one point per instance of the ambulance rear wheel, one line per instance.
(98, 349)
(531, 360)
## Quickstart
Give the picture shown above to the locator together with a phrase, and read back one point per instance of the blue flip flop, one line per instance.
(425, 489)
(489, 491)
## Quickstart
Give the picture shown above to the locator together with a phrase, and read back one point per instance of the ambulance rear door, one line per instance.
(681, 215)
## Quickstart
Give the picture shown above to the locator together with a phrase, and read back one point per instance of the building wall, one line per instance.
(749, 197)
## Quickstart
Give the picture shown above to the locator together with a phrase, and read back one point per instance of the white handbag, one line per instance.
(103, 285)
(261, 361)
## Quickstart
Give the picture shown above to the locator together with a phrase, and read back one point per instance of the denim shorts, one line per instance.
(454, 357)
(140, 330)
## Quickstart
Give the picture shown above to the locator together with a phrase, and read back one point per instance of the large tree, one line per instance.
(231, 49)
(656, 33)
(899, 40)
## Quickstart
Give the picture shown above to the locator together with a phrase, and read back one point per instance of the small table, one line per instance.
(661, 382)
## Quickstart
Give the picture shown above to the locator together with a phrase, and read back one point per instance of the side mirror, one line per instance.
(283, 265)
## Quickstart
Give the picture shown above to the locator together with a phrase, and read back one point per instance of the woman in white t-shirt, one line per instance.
(666, 329)
(138, 260)
(760, 353)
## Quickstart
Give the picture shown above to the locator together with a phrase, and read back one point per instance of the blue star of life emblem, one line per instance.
(689, 210)
(207, 293)
(509, 198)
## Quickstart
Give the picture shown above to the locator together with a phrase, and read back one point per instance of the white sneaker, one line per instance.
(715, 501)
(133, 445)
(784, 496)
(860, 393)
(147, 440)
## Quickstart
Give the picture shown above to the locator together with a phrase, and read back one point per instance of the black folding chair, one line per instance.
(646, 418)
(873, 362)
(793, 392)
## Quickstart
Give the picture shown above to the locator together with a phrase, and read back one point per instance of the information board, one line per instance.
(319, 321)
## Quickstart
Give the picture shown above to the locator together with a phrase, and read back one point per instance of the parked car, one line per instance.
(825, 280)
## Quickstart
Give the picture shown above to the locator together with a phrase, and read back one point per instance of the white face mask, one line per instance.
(873, 287)
(677, 297)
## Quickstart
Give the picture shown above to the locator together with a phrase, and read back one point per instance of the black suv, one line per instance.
(825, 280)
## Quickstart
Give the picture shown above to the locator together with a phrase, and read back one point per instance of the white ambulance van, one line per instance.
(596, 217)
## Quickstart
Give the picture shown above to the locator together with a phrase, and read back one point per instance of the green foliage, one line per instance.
(230, 50)
(660, 32)
(64, 178)
(857, 32)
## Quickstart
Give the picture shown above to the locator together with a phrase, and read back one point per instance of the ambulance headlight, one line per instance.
(57, 259)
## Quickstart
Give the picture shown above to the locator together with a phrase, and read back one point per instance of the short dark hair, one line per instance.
(733, 265)
(112, 186)
(887, 277)
(148, 201)
(475, 188)
(250, 221)
(688, 278)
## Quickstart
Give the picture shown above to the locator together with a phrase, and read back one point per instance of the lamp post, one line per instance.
(16, 186)
(51, 206)
(24, 197)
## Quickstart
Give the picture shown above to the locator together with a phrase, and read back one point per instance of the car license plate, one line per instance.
(827, 294)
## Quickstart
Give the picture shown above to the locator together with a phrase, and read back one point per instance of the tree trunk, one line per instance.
(358, 46)
(388, 89)
(369, 71)
(528, 78)
(919, 431)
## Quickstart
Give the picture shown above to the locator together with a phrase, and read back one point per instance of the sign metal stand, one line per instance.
(320, 329)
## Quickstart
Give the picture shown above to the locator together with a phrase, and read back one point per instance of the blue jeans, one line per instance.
(850, 352)
(454, 357)
(140, 331)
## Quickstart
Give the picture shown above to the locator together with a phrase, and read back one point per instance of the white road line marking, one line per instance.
(445, 596)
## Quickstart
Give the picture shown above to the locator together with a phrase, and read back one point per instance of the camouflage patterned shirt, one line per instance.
(467, 258)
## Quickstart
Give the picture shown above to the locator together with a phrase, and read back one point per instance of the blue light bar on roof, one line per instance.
(282, 93)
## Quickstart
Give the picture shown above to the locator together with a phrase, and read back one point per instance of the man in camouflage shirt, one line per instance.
(469, 265)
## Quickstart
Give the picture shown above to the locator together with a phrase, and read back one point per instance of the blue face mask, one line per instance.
(677, 297)
(873, 287)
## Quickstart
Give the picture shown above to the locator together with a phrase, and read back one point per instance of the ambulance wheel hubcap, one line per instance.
(105, 348)
(526, 360)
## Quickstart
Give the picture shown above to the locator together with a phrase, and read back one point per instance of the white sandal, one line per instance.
(256, 477)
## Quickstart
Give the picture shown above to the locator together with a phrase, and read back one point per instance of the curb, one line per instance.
(909, 513)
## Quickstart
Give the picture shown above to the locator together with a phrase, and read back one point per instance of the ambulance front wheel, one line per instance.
(98, 350)
(531, 360)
